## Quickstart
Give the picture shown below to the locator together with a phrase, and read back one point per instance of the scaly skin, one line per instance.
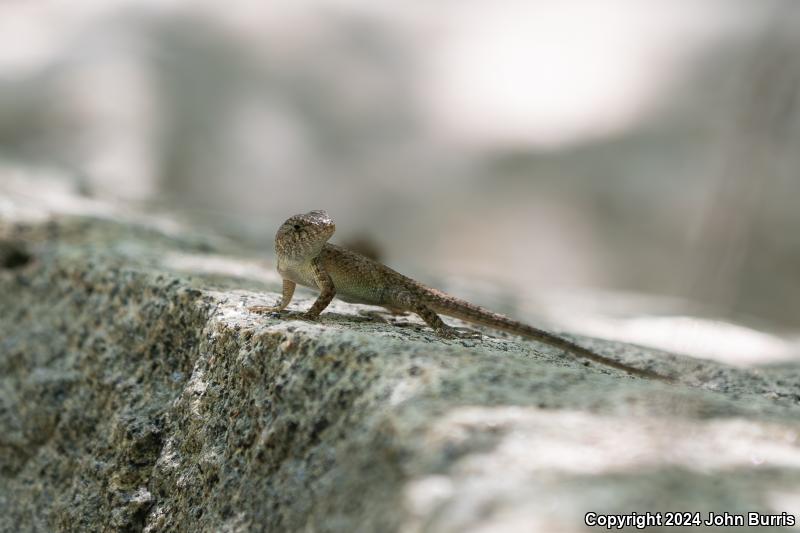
(305, 257)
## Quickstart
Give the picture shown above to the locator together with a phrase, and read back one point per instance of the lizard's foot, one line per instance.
(264, 309)
(277, 311)
(449, 332)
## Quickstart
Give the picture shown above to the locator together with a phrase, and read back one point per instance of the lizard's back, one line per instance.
(359, 279)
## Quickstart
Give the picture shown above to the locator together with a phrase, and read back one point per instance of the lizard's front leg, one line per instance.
(286, 297)
(326, 289)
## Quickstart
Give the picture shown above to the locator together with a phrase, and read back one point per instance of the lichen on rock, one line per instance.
(137, 393)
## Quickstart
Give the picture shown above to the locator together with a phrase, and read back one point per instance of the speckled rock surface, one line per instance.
(138, 394)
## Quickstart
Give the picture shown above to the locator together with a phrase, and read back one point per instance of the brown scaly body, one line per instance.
(306, 258)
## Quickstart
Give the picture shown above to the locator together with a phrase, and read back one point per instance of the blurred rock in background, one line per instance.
(625, 145)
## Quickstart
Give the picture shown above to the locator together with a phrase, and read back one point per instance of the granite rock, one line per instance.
(137, 393)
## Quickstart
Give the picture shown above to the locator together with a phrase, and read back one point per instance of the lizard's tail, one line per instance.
(448, 305)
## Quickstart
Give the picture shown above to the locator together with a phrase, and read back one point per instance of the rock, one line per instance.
(137, 393)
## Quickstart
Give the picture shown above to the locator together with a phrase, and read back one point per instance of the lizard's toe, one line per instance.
(263, 309)
(445, 333)
(466, 333)
(449, 332)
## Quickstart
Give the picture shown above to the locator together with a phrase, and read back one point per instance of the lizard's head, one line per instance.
(304, 235)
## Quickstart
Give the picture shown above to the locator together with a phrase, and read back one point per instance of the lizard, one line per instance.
(305, 257)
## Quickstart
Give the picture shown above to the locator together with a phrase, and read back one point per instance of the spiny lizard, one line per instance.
(305, 257)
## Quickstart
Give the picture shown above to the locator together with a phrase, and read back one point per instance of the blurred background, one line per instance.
(648, 149)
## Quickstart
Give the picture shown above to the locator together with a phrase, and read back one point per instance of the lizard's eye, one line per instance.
(297, 226)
